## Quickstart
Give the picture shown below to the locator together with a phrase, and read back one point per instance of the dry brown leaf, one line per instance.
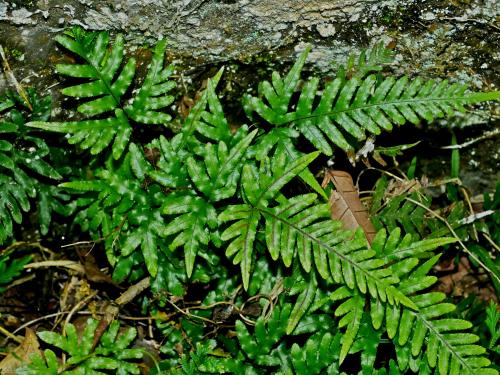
(21, 354)
(345, 204)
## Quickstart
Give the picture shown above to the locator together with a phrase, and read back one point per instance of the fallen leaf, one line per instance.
(345, 204)
(21, 354)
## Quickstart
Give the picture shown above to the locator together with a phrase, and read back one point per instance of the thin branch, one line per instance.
(452, 231)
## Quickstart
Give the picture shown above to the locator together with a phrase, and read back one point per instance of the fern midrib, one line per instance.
(325, 246)
(430, 327)
(375, 105)
(106, 83)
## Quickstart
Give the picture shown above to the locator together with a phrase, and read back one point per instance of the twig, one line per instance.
(452, 231)
(75, 308)
(31, 322)
(18, 244)
(19, 282)
(75, 266)
(187, 313)
(485, 135)
(132, 292)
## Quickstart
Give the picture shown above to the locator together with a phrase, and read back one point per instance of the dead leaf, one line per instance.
(400, 187)
(93, 272)
(345, 204)
(21, 354)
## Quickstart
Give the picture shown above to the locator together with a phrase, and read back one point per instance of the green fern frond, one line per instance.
(259, 189)
(205, 360)
(194, 218)
(107, 86)
(308, 230)
(111, 353)
(153, 95)
(217, 177)
(10, 269)
(24, 161)
(306, 286)
(389, 250)
(171, 170)
(319, 355)
(258, 346)
(427, 328)
(121, 205)
(351, 311)
(369, 60)
(447, 347)
(356, 106)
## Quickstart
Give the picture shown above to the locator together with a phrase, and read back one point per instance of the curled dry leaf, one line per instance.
(345, 204)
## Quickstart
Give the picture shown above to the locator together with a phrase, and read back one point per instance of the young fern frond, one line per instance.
(107, 87)
(356, 106)
(369, 61)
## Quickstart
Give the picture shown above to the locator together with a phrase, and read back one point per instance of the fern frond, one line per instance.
(119, 203)
(217, 177)
(259, 189)
(107, 86)
(351, 311)
(427, 328)
(95, 135)
(356, 106)
(172, 170)
(24, 159)
(153, 94)
(306, 288)
(319, 354)
(308, 230)
(111, 353)
(194, 217)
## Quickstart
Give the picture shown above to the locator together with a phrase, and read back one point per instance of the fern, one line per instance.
(355, 106)
(24, 162)
(370, 60)
(121, 206)
(425, 329)
(173, 208)
(296, 227)
(10, 269)
(110, 353)
(108, 84)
